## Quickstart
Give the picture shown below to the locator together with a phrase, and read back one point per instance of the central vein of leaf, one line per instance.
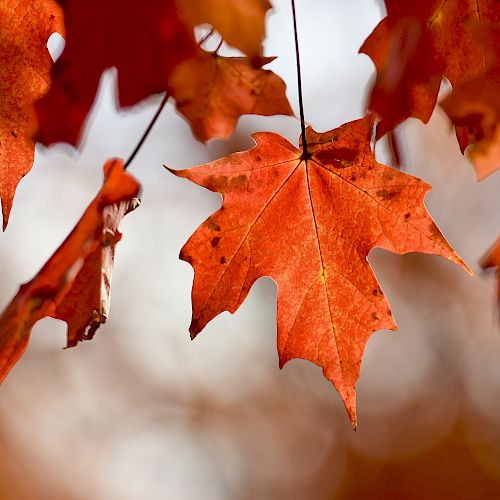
(323, 274)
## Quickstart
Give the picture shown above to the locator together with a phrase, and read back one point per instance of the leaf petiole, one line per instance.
(305, 152)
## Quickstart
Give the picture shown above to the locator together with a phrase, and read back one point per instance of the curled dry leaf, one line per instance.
(25, 27)
(415, 46)
(74, 284)
(212, 92)
(144, 43)
(309, 224)
(240, 22)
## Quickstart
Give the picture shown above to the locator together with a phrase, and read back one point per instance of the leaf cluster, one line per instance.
(306, 216)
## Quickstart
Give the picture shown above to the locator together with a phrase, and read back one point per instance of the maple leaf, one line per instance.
(240, 22)
(415, 46)
(309, 224)
(144, 43)
(474, 105)
(491, 259)
(212, 92)
(74, 284)
(25, 27)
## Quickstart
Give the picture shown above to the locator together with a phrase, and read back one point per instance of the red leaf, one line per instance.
(240, 22)
(474, 105)
(212, 92)
(415, 46)
(74, 283)
(144, 43)
(25, 27)
(309, 225)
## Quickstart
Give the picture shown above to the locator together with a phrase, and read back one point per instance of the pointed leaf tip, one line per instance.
(25, 28)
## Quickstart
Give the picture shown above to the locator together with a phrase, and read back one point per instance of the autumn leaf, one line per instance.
(491, 259)
(241, 23)
(144, 43)
(74, 284)
(25, 27)
(309, 224)
(212, 92)
(474, 105)
(415, 46)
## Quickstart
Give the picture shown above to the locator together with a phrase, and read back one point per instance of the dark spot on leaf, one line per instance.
(386, 195)
(52, 17)
(374, 316)
(212, 225)
(407, 216)
(336, 156)
(389, 312)
(215, 242)
(216, 183)
(239, 181)
(258, 158)
(376, 292)
(435, 233)
(353, 178)
(13, 134)
(223, 260)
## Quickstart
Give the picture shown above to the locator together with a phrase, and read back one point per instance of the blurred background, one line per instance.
(141, 412)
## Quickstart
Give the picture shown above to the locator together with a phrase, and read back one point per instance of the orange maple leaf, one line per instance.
(474, 105)
(25, 27)
(240, 22)
(415, 46)
(144, 43)
(309, 224)
(212, 92)
(74, 284)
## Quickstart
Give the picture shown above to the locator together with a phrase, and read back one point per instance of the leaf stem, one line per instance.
(305, 152)
(206, 37)
(216, 51)
(159, 110)
(147, 131)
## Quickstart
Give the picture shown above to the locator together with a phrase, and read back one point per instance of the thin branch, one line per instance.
(216, 51)
(147, 131)
(158, 112)
(305, 152)
(206, 37)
